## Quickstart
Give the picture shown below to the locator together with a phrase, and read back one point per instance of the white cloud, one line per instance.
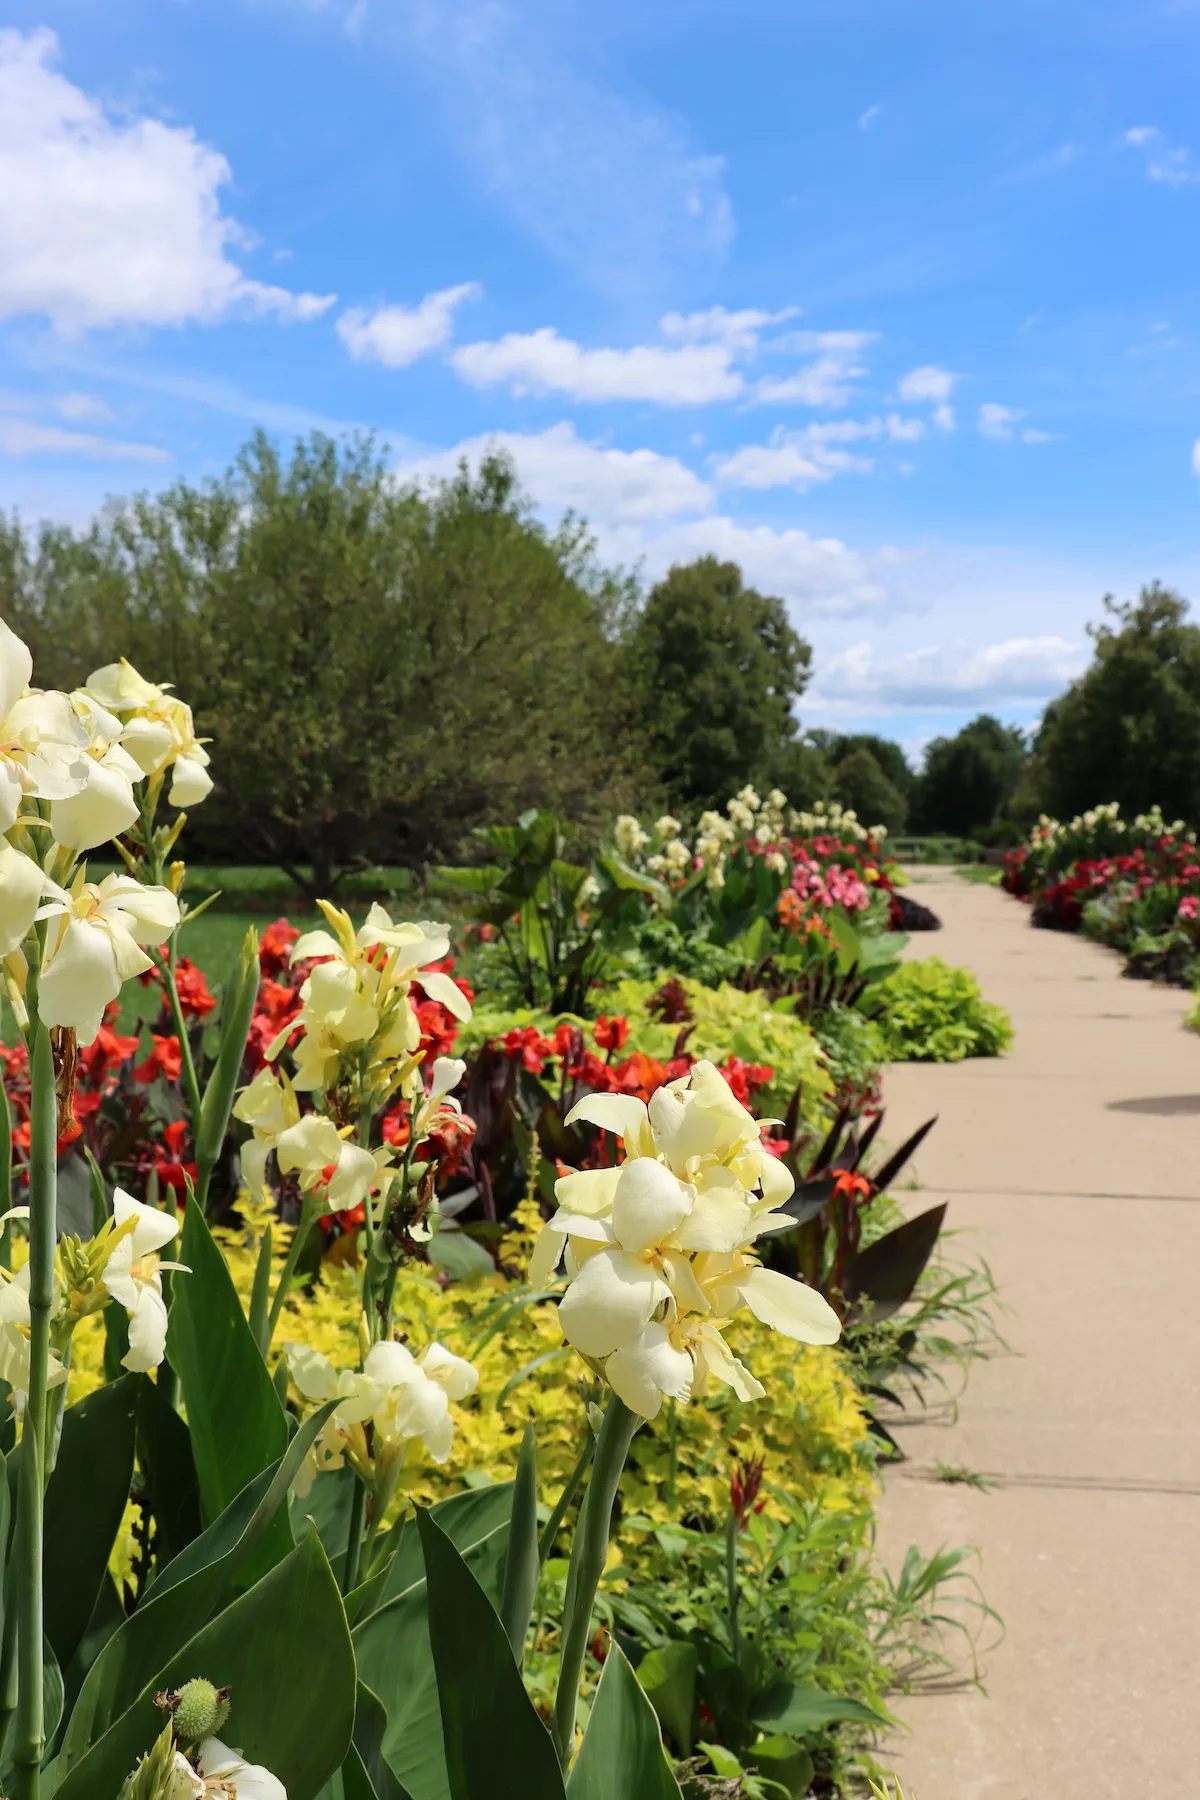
(738, 331)
(616, 190)
(927, 383)
(1176, 167)
(1018, 668)
(543, 362)
(106, 222)
(22, 437)
(800, 459)
(1196, 457)
(997, 421)
(820, 577)
(398, 335)
(67, 406)
(867, 119)
(562, 470)
(943, 417)
(826, 380)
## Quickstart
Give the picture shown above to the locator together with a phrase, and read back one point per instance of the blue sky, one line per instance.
(896, 305)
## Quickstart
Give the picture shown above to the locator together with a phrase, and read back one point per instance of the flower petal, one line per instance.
(21, 885)
(153, 1228)
(454, 1373)
(80, 978)
(647, 1370)
(790, 1307)
(147, 1330)
(587, 1190)
(610, 1301)
(621, 1114)
(439, 987)
(313, 1374)
(715, 1359)
(102, 810)
(16, 669)
(649, 1203)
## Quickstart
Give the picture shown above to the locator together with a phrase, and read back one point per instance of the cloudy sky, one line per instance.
(898, 305)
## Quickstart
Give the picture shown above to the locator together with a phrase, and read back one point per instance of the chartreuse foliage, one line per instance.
(932, 1012)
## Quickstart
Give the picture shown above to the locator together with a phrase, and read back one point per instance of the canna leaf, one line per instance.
(164, 1454)
(668, 1676)
(887, 1271)
(622, 1752)
(85, 1500)
(792, 1708)
(237, 1010)
(494, 1740)
(237, 1424)
(521, 1564)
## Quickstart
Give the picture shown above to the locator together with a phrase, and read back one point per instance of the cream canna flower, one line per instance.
(269, 1106)
(226, 1776)
(41, 740)
(657, 1247)
(14, 1336)
(22, 884)
(157, 730)
(320, 1156)
(105, 806)
(132, 1276)
(95, 943)
(438, 1109)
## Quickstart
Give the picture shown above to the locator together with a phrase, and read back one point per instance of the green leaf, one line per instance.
(164, 1453)
(237, 1010)
(790, 1708)
(521, 1563)
(783, 1760)
(260, 1294)
(370, 1728)
(392, 1642)
(238, 1426)
(668, 1676)
(284, 1651)
(622, 1752)
(328, 1503)
(495, 1742)
(886, 1272)
(85, 1501)
(458, 1256)
(180, 1598)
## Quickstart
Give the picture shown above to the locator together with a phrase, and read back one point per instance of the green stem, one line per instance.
(731, 1581)
(588, 1555)
(30, 1738)
(5, 1179)
(672, 1455)
(190, 1079)
(308, 1212)
(54, 1415)
(553, 1523)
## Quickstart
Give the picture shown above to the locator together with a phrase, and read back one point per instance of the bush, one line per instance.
(934, 1013)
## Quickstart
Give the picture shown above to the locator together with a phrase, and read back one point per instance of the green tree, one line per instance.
(968, 779)
(1129, 728)
(379, 669)
(719, 667)
(860, 783)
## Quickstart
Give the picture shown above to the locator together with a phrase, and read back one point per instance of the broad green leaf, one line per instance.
(237, 1425)
(284, 1651)
(180, 1599)
(495, 1742)
(164, 1453)
(370, 1729)
(622, 1753)
(791, 1708)
(668, 1676)
(521, 1563)
(85, 1500)
(783, 1760)
(392, 1643)
(328, 1504)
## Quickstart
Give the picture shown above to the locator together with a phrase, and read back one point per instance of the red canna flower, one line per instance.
(610, 1034)
(166, 1059)
(744, 1484)
(849, 1185)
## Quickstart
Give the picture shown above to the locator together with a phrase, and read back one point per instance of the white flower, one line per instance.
(22, 884)
(403, 1396)
(776, 861)
(157, 730)
(41, 740)
(268, 1105)
(14, 1336)
(630, 838)
(667, 827)
(132, 1276)
(321, 1157)
(95, 944)
(656, 1247)
(226, 1774)
(437, 1109)
(105, 806)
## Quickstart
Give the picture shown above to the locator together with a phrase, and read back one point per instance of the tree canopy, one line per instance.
(967, 780)
(719, 667)
(1128, 728)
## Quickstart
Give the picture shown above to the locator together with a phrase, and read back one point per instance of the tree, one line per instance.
(860, 783)
(378, 669)
(719, 667)
(968, 779)
(1128, 729)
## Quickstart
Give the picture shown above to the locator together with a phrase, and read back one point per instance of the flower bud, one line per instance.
(200, 1710)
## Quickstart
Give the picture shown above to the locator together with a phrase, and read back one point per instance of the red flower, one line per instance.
(745, 1078)
(848, 1185)
(104, 1054)
(169, 1166)
(195, 1001)
(610, 1034)
(744, 1484)
(166, 1059)
(275, 947)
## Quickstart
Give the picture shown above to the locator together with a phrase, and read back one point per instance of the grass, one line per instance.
(958, 1475)
(980, 874)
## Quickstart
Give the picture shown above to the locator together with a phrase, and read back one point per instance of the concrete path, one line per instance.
(1072, 1165)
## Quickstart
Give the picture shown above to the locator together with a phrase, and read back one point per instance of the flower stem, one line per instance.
(190, 1079)
(731, 1581)
(354, 1537)
(551, 1528)
(588, 1555)
(308, 1212)
(29, 1740)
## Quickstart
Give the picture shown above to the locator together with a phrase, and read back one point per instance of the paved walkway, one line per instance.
(1071, 1165)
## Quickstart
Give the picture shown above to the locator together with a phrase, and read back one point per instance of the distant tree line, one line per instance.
(381, 668)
